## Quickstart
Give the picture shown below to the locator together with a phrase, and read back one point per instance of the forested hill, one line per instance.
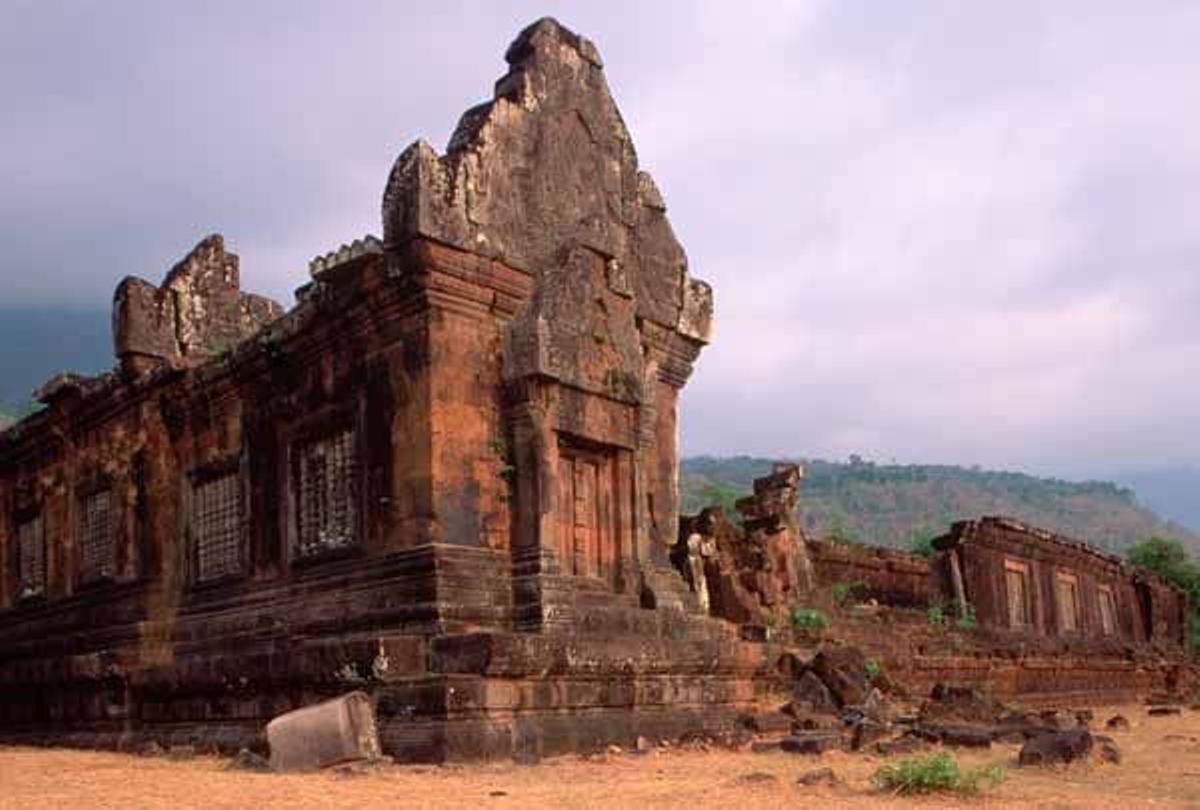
(892, 505)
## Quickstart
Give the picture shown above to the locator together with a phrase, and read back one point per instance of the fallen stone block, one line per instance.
(901, 746)
(247, 760)
(1105, 749)
(966, 737)
(867, 732)
(766, 722)
(151, 749)
(811, 694)
(817, 776)
(1057, 747)
(1163, 711)
(844, 671)
(816, 722)
(877, 707)
(330, 733)
(811, 742)
(764, 746)
(1117, 723)
(757, 778)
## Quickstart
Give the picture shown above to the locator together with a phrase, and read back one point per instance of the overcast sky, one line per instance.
(947, 232)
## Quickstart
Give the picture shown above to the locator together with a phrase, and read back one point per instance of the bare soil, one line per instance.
(1160, 768)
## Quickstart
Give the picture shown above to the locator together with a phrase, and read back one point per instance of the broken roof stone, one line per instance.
(545, 169)
(197, 313)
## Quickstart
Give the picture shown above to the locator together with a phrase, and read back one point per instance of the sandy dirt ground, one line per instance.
(1160, 768)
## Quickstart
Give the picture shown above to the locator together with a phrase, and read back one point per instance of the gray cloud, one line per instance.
(945, 231)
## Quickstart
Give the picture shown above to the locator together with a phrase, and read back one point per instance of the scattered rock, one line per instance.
(811, 742)
(1188, 738)
(1056, 747)
(818, 776)
(877, 707)
(1162, 711)
(247, 760)
(643, 746)
(1105, 749)
(181, 753)
(810, 693)
(816, 722)
(1056, 719)
(498, 793)
(908, 744)
(757, 778)
(614, 750)
(151, 749)
(868, 731)
(764, 746)
(790, 666)
(929, 734)
(962, 704)
(766, 722)
(966, 736)
(1084, 717)
(1117, 723)
(844, 671)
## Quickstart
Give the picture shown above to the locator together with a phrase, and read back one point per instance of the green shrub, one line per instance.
(843, 592)
(809, 619)
(921, 543)
(874, 668)
(935, 614)
(966, 618)
(935, 773)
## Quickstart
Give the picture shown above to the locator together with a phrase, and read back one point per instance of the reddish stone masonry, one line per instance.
(447, 477)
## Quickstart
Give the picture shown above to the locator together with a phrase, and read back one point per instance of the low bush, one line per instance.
(809, 619)
(935, 773)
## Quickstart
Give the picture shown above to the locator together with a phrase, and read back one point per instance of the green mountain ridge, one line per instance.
(891, 505)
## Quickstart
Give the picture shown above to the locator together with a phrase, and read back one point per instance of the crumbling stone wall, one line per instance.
(743, 573)
(998, 559)
(888, 576)
(446, 476)
(198, 312)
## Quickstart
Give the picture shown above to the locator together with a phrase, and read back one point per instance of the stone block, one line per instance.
(328, 733)
(811, 742)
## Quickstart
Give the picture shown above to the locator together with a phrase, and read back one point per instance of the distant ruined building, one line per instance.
(448, 476)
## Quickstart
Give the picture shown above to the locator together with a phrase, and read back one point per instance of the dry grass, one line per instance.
(1155, 771)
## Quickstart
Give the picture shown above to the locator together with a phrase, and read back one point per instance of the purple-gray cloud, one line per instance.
(939, 231)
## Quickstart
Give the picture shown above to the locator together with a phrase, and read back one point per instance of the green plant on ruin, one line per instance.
(873, 668)
(935, 773)
(935, 614)
(964, 615)
(841, 533)
(843, 592)
(726, 497)
(1168, 558)
(773, 623)
(921, 543)
(804, 618)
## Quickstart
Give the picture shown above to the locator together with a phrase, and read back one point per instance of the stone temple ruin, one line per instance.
(448, 477)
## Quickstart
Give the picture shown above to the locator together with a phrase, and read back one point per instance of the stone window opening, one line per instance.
(1020, 603)
(1108, 610)
(97, 540)
(326, 473)
(31, 559)
(217, 526)
(1066, 588)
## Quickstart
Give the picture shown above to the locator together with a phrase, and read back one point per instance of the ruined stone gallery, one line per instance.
(447, 477)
